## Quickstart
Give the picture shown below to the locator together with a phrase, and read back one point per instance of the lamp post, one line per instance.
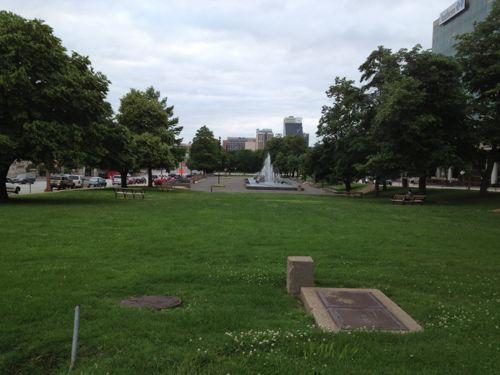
(220, 163)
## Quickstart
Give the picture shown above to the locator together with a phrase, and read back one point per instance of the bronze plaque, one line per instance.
(359, 310)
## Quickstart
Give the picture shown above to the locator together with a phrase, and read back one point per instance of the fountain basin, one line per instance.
(267, 179)
(252, 183)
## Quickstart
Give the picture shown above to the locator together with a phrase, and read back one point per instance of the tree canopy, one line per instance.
(205, 152)
(48, 99)
(287, 154)
(409, 116)
(479, 54)
(151, 123)
(343, 129)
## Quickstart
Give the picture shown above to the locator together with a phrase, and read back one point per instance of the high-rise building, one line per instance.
(251, 144)
(459, 18)
(292, 126)
(235, 143)
(263, 136)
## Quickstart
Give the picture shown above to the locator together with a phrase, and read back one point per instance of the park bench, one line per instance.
(418, 199)
(129, 192)
(408, 199)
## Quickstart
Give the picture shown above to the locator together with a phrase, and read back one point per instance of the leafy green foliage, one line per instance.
(50, 102)
(287, 154)
(420, 112)
(343, 128)
(409, 117)
(205, 152)
(478, 53)
(150, 120)
(245, 161)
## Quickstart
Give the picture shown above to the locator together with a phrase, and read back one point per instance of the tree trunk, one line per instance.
(486, 176)
(404, 182)
(3, 179)
(347, 183)
(377, 187)
(422, 184)
(150, 177)
(384, 185)
(48, 188)
(124, 178)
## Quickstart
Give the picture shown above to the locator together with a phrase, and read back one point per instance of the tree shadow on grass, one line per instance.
(446, 197)
(77, 198)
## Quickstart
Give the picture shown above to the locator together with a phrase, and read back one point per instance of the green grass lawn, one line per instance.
(225, 256)
(354, 186)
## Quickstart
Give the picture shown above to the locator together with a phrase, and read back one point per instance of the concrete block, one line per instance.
(300, 273)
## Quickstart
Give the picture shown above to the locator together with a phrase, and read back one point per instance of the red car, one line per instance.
(163, 180)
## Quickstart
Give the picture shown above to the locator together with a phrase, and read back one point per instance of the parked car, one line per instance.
(12, 187)
(136, 180)
(116, 180)
(95, 182)
(77, 179)
(25, 178)
(163, 180)
(61, 182)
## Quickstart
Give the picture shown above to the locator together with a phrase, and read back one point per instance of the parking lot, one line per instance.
(39, 186)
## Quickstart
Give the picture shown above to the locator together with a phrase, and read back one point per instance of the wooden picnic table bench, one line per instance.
(129, 192)
(167, 186)
(408, 199)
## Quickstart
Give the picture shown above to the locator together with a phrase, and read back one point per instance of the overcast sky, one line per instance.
(233, 65)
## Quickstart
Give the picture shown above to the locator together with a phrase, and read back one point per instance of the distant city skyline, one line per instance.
(234, 66)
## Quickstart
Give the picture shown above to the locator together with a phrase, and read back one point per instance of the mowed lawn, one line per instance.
(225, 256)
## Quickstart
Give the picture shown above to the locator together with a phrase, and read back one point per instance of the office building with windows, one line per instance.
(262, 137)
(292, 126)
(459, 18)
(234, 143)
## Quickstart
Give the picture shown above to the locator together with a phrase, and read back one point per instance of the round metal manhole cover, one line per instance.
(152, 302)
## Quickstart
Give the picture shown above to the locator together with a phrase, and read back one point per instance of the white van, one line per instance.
(117, 180)
(77, 179)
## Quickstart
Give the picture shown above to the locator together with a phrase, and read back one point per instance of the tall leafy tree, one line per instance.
(245, 161)
(420, 112)
(286, 153)
(50, 102)
(479, 54)
(151, 122)
(119, 148)
(343, 128)
(205, 153)
(319, 162)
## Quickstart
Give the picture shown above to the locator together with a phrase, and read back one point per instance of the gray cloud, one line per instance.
(233, 65)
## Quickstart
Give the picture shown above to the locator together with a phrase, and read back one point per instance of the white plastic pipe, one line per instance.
(74, 344)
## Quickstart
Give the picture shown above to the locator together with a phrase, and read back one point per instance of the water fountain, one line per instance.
(267, 179)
